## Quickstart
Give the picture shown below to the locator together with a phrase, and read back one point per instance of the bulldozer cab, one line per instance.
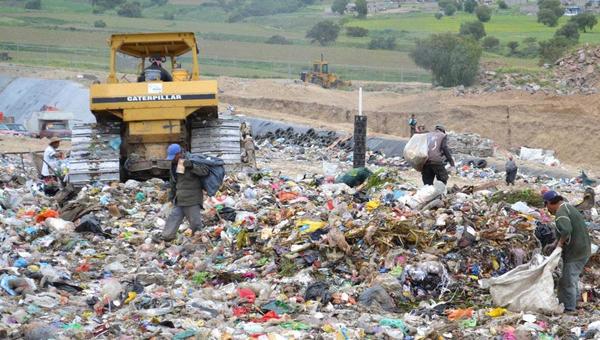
(320, 66)
(154, 50)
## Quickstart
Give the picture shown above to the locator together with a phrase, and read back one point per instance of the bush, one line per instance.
(100, 6)
(452, 59)
(159, 2)
(130, 10)
(473, 29)
(33, 4)
(239, 10)
(483, 13)
(469, 6)
(339, 6)
(99, 23)
(168, 16)
(490, 43)
(382, 43)
(513, 45)
(502, 4)
(530, 48)
(547, 17)
(278, 40)
(585, 21)
(357, 32)
(553, 49)
(438, 15)
(570, 30)
(325, 32)
(361, 8)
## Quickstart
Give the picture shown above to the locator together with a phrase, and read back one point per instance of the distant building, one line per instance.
(374, 6)
(572, 11)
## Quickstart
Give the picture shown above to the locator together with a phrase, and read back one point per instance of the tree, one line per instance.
(490, 43)
(551, 50)
(99, 23)
(357, 32)
(554, 5)
(33, 4)
(450, 10)
(325, 32)
(547, 6)
(570, 30)
(361, 8)
(159, 2)
(547, 17)
(513, 45)
(449, 7)
(130, 10)
(585, 21)
(473, 29)
(502, 4)
(339, 6)
(278, 40)
(438, 15)
(483, 13)
(469, 6)
(382, 43)
(452, 59)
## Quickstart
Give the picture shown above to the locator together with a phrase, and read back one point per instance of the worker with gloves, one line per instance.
(186, 193)
(437, 154)
(574, 239)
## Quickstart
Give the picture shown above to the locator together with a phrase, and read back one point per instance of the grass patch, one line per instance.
(528, 196)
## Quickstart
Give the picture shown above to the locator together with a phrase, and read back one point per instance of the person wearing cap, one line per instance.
(51, 157)
(574, 239)
(186, 193)
(437, 154)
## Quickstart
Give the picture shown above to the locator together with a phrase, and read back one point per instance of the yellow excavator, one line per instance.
(320, 75)
(137, 120)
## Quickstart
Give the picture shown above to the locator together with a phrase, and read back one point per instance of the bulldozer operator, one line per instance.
(151, 72)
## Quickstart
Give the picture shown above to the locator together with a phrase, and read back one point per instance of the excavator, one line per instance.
(137, 120)
(320, 75)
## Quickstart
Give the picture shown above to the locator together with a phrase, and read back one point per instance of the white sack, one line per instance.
(529, 287)
(416, 151)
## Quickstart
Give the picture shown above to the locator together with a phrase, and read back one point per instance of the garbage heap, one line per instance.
(279, 259)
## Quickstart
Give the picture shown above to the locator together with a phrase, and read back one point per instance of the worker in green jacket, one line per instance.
(186, 193)
(574, 239)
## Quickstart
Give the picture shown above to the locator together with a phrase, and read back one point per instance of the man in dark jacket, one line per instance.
(186, 193)
(575, 242)
(438, 153)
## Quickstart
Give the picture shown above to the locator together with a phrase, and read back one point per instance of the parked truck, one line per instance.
(50, 123)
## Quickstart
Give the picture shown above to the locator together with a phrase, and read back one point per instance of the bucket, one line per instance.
(152, 75)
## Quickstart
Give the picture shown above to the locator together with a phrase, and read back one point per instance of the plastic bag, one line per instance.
(528, 287)
(416, 151)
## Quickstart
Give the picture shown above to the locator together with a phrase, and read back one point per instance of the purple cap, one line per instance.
(550, 195)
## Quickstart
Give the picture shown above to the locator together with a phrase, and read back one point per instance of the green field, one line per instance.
(63, 34)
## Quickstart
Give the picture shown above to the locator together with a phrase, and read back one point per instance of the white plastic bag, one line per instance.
(416, 151)
(529, 287)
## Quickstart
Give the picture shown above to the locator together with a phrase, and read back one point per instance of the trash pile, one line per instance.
(575, 73)
(362, 254)
(471, 144)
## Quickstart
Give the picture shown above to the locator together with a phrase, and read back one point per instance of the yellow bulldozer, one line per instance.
(320, 75)
(137, 120)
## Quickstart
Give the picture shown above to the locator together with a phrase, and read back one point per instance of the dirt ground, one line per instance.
(566, 124)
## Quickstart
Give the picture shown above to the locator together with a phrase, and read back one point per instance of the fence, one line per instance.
(211, 65)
